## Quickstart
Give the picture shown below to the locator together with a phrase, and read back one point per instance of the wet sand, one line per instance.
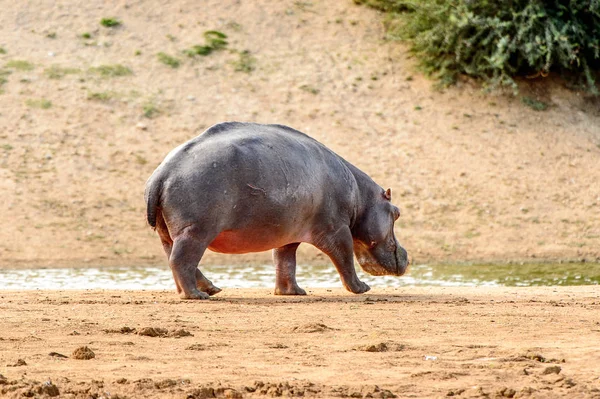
(402, 342)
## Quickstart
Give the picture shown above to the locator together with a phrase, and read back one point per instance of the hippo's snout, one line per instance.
(402, 261)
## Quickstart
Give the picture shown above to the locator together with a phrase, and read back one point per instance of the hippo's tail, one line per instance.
(152, 197)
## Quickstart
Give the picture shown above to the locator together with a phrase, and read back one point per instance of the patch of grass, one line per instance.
(110, 22)
(41, 103)
(102, 96)
(150, 110)
(234, 26)
(310, 89)
(110, 71)
(215, 41)
(168, 60)
(140, 159)
(86, 35)
(57, 72)
(51, 35)
(7, 147)
(418, 108)
(246, 62)
(20, 65)
(3, 74)
(138, 52)
(534, 104)
(2, 50)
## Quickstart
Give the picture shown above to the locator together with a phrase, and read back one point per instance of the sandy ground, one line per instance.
(477, 177)
(408, 342)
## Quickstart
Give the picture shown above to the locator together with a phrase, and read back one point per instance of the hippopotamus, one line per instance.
(248, 187)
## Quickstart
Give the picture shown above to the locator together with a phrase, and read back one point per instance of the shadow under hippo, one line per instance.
(246, 187)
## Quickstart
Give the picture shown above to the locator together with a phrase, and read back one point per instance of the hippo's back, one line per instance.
(252, 171)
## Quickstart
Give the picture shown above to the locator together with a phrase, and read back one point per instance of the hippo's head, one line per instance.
(375, 245)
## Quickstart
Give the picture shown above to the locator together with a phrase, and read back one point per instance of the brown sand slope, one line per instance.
(477, 177)
(409, 342)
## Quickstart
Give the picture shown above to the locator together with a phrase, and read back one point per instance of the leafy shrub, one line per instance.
(57, 72)
(109, 71)
(168, 60)
(41, 103)
(498, 40)
(215, 40)
(246, 62)
(20, 65)
(110, 22)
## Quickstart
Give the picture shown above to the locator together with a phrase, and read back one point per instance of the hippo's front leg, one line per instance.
(339, 247)
(285, 263)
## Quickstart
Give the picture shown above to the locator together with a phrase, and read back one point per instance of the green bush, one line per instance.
(168, 60)
(215, 41)
(110, 22)
(499, 40)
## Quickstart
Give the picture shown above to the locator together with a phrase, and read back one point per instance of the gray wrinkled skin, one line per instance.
(243, 187)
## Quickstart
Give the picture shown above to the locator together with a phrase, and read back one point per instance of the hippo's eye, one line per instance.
(373, 244)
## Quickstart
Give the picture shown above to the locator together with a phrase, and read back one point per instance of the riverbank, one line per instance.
(420, 342)
(88, 112)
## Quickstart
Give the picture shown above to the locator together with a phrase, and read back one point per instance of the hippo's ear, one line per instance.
(388, 194)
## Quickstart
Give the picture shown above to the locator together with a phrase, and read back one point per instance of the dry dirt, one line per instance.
(405, 342)
(478, 178)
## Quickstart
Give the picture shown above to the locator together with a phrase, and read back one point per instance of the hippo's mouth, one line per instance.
(401, 266)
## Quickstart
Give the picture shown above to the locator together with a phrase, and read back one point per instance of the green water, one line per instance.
(511, 275)
(309, 276)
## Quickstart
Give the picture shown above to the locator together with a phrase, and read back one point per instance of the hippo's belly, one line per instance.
(241, 242)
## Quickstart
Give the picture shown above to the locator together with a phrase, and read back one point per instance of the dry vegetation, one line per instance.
(88, 109)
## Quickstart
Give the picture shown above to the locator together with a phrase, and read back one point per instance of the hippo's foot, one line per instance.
(358, 288)
(195, 294)
(205, 284)
(289, 290)
(212, 290)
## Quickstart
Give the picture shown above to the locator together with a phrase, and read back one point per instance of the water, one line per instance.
(263, 276)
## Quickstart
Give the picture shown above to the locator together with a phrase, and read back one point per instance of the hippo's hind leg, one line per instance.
(188, 248)
(285, 263)
(165, 239)
(339, 247)
(205, 284)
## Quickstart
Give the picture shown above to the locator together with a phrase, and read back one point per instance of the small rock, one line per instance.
(165, 383)
(311, 328)
(180, 333)
(526, 391)
(380, 347)
(551, 370)
(196, 347)
(56, 354)
(191, 98)
(232, 394)
(153, 332)
(568, 383)
(48, 388)
(3, 380)
(20, 362)
(121, 381)
(506, 393)
(83, 353)
(141, 126)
